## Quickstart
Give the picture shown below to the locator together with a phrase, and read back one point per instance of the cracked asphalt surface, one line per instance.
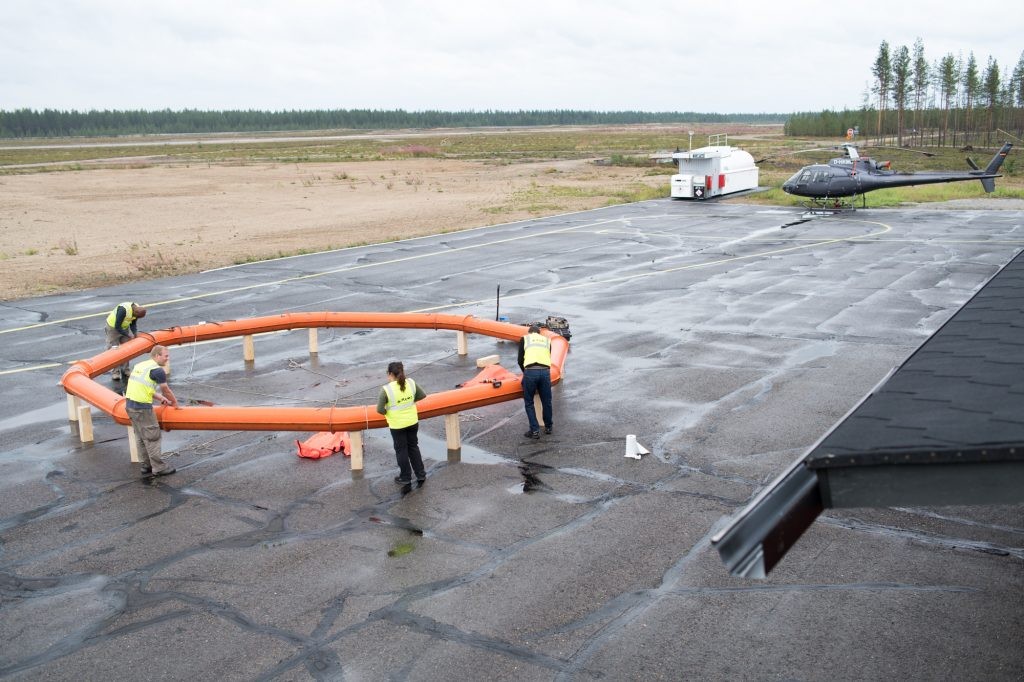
(727, 343)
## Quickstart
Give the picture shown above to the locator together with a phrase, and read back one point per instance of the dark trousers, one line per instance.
(407, 451)
(537, 380)
(115, 337)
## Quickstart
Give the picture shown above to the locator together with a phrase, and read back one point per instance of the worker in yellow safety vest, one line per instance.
(397, 402)
(122, 326)
(535, 361)
(148, 376)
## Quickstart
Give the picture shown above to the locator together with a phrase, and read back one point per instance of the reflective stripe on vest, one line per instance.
(536, 350)
(141, 386)
(129, 316)
(401, 405)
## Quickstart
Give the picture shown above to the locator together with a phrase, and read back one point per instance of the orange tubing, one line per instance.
(78, 380)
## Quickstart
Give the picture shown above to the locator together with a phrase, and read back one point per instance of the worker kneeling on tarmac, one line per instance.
(122, 325)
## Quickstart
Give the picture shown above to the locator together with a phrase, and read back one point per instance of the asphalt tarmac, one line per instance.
(727, 343)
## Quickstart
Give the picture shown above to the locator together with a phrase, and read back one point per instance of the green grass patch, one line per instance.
(639, 192)
(401, 549)
(629, 146)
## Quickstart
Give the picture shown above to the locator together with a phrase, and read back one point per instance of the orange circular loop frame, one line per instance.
(78, 380)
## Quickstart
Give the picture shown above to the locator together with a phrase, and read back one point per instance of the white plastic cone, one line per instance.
(631, 447)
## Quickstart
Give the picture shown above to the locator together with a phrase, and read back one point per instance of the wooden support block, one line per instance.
(85, 424)
(133, 445)
(452, 432)
(72, 408)
(248, 348)
(463, 345)
(538, 407)
(314, 346)
(355, 439)
(488, 360)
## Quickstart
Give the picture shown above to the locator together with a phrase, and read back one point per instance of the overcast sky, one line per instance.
(648, 55)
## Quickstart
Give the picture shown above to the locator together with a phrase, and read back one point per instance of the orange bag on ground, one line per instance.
(325, 444)
(491, 374)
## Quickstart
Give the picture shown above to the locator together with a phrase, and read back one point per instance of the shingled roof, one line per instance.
(946, 427)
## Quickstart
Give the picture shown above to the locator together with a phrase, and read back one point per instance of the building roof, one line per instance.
(946, 427)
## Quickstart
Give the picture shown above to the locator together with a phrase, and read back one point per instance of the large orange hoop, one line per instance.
(78, 380)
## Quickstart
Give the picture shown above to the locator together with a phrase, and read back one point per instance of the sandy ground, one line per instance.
(73, 230)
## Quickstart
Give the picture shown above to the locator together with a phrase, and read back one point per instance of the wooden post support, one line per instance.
(72, 408)
(133, 445)
(314, 347)
(452, 433)
(248, 348)
(463, 346)
(85, 424)
(538, 407)
(488, 360)
(355, 439)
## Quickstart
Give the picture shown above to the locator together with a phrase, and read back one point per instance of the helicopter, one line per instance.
(835, 185)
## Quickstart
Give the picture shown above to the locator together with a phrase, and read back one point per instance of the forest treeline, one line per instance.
(950, 101)
(21, 123)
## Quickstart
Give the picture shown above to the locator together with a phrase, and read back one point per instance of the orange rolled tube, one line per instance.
(78, 380)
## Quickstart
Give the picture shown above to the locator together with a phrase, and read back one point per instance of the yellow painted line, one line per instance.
(30, 369)
(611, 280)
(812, 241)
(194, 343)
(314, 275)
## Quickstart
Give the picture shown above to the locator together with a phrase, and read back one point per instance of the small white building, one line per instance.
(712, 171)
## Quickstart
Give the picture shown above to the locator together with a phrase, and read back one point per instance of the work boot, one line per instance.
(535, 435)
(547, 430)
(146, 470)
(402, 481)
(165, 472)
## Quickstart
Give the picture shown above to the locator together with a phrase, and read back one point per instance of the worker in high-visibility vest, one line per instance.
(535, 361)
(122, 326)
(148, 376)
(397, 402)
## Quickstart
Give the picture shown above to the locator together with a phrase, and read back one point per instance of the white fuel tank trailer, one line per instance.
(712, 171)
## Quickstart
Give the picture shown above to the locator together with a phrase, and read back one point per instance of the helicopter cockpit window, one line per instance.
(822, 176)
(806, 176)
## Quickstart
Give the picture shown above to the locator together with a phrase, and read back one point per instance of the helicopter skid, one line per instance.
(830, 206)
(811, 211)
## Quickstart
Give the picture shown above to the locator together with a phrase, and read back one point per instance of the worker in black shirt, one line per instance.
(122, 326)
(148, 381)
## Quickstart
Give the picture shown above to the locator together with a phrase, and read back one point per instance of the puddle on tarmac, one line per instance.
(813, 351)
(43, 414)
(469, 454)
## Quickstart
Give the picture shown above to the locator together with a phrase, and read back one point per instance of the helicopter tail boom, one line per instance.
(991, 170)
(998, 159)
